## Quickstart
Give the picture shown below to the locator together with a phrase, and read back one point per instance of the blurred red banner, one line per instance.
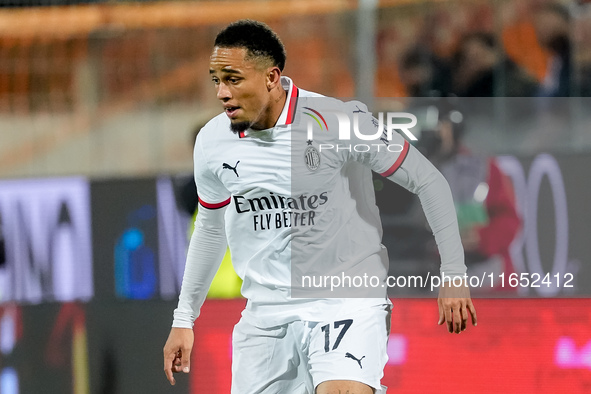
(519, 346)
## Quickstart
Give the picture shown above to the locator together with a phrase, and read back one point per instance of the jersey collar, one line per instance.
(288, 113)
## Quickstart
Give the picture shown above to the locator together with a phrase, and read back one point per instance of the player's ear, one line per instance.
(273, 77)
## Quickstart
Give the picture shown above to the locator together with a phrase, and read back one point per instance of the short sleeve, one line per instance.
(211, 192)
(384, 154)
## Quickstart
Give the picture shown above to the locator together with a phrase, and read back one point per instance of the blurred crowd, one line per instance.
(85, 74)
(480, 66)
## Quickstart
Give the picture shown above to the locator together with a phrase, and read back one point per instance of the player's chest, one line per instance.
(281, 166)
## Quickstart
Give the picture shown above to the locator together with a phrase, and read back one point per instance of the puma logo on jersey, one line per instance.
(229, 167)
(349, 355)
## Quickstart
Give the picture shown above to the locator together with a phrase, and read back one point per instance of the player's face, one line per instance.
(241, 86)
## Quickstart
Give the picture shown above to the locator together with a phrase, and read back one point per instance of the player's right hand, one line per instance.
(177, 352)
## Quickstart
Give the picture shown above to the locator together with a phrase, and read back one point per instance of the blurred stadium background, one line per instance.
(99, 101)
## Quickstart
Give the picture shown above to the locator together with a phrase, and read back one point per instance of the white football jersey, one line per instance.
(301, 205)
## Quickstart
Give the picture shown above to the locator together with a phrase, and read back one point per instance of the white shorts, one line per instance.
(296, 357)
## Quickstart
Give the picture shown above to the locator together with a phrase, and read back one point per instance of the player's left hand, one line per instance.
(177, 352)
(454, 304)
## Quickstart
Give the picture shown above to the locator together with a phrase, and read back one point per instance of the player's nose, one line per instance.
(223, 93)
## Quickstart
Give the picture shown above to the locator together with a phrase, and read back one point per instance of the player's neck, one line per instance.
(277, 104)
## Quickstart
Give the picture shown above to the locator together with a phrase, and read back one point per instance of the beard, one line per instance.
(239, 126)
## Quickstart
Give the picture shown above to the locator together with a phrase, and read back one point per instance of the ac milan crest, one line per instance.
(312, 158)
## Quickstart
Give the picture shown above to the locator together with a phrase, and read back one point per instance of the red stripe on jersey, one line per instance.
(241, 134)
(293, 101)
(398, 161)
(214, 206)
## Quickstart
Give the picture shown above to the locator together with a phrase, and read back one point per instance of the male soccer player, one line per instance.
(289, 204)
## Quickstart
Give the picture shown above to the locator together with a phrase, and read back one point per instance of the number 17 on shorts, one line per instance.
(352, 348)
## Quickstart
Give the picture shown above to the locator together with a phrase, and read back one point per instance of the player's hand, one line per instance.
(454, 304)
(177, 352)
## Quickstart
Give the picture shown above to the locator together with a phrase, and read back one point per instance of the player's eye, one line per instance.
(233, 80)
(215, 81)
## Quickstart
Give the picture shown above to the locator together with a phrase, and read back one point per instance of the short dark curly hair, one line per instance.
(256, 37)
